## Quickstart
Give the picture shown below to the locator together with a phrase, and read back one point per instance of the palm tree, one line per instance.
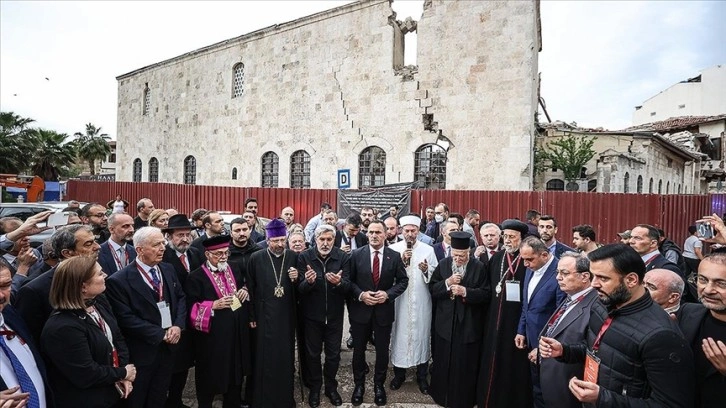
(15, 142)
(92, 146)
(52, 154)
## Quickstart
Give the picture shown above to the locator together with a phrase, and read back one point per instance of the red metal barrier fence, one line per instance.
(607, 213)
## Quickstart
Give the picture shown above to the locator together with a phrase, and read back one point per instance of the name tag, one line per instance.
(512, 289)
(592, 367)
(165, 313)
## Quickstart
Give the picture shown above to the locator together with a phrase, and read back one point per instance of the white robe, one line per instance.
(411, 334)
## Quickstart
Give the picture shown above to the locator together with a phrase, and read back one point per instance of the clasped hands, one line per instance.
(372, 298)
(453, 282)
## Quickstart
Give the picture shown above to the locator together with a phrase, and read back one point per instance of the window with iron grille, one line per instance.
(430, 167)
(238, 80)
(270, 169)
(300, 169)
(234, 173)
(372, 167)
(190, 170)
(154, 170)
(556, 185)
(147, 100)
(136, 177)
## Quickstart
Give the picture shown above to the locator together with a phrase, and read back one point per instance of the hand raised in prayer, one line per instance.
(715, 352)
(292, 273)
(310, 275)
(423, 266)
(334, 278)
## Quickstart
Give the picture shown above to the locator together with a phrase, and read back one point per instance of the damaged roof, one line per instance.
(675, 123)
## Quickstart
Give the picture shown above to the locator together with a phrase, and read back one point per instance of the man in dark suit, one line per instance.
(443, 249)
(350, 238)
(32, 299)
(375, 278)
(541, 294)
(23, 377)
(704, 328)
(116, 253)
(568, 325)
(151, 310)
(548, 232)
(184, 259)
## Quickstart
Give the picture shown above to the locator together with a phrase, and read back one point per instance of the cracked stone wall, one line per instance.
(327, 84)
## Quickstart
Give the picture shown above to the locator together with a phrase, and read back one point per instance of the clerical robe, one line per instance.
(459, 328)
(411, 334)
(221, 341)
(504, 373)
(273, 298)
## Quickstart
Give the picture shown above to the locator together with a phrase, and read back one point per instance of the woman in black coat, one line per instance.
(85, 352)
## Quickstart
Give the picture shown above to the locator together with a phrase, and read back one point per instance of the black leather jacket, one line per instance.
(644, 359)
(321, 301)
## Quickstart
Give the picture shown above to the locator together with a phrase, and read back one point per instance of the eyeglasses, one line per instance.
(509, 237)
(719, 283)
(219, 254)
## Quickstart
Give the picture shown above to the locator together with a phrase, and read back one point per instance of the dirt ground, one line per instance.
(408, 396)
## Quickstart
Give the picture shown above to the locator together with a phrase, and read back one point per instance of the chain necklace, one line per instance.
(503, 274)
(279, 290)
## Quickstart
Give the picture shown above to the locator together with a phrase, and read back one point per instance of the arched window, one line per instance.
(640, 185)
(300, 169)
(154, 170)
(555, 185)
(668, 187)
(190, 170)
(238, 80)
(650, 186)
(270, 169)
(660, 186)
(136, 177)
(679, 189)
(592, 186)
(626, 183)
(147, 100)
(429, 168)
(371, 167)
(234, 173)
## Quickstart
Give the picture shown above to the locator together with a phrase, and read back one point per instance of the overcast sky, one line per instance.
(599, 59)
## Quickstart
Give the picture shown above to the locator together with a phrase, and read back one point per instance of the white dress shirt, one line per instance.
(26, 358)
(536, 277)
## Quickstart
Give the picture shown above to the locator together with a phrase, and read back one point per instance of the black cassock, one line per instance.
(504, 373)
(275, 317)
(223, 353)
(458, 329)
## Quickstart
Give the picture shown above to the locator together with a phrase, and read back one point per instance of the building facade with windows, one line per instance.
(291, 104)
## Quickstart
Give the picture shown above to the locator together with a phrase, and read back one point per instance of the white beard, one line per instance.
(222, 266)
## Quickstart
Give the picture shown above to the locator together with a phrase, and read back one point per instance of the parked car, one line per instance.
(26, 210)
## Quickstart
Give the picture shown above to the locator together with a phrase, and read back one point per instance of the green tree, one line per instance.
(15, 142)
(52, 154)
(92, 145)
(569, 154)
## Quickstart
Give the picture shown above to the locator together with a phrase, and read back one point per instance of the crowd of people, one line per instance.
(113, 310)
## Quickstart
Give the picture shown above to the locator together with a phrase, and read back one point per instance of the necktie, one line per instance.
(122, 256)
(448, 251)
(183, 259)
(492, 252)
(558, 316)
(376, 269)
(26, 384)
(155, 278)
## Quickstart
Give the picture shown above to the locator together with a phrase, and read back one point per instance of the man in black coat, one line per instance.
(704, 327)
(321, 301)
(376, 277)
(184, 258)
(117, 252)
(151, 311)
(350, 237)
(32, 299)
(461, 288)
(16, 337)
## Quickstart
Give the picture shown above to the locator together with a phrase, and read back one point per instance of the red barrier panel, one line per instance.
(607, 213)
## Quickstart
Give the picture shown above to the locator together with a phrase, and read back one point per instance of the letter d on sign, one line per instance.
(344, 178)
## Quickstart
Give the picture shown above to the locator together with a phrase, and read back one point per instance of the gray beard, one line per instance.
(459, 269)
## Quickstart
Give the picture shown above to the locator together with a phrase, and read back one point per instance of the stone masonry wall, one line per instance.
(326, 84)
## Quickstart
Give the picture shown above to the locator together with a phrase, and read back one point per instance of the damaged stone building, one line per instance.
(290, 104)
(681, 155)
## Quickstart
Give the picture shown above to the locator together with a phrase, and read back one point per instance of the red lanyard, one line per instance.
(513, 268)
(102, 325)
(651, 259)
(603, 329)
(561, 310)
(159, 289)
(116, 257)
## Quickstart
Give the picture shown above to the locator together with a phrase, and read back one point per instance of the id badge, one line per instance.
(592, 367)
(236, 304)
(512, 289)
(165, 313)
